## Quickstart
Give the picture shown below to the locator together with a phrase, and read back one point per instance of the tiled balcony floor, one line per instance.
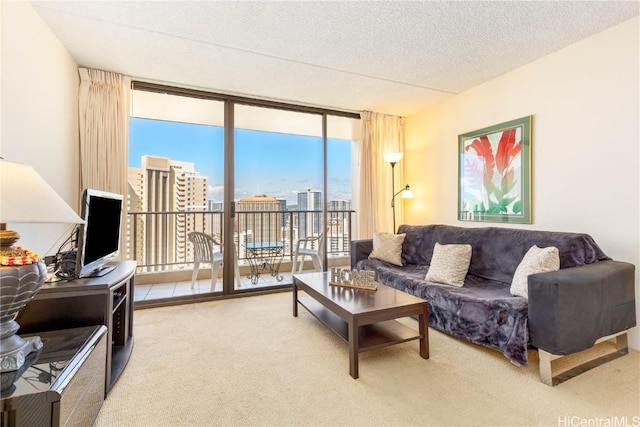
(149, 292)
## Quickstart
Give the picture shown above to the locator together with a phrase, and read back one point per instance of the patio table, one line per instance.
(264, 256)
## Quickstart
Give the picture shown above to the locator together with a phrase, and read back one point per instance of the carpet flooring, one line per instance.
(249, 362)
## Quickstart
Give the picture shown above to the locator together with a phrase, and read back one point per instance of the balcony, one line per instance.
(158, 242)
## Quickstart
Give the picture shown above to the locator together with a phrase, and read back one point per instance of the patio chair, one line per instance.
(204, 252)
(305, 248)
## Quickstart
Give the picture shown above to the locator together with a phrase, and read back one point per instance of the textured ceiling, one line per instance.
(393, 57)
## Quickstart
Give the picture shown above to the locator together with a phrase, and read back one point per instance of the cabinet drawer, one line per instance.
(61, 385)
(82, 397)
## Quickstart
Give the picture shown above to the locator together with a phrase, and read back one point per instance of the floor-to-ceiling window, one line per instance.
(274, 175)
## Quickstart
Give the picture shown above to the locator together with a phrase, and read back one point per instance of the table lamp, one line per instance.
(24, 198)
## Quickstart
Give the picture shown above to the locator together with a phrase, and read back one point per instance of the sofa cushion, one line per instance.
(536, 260)
(449, 264)
(388, 247)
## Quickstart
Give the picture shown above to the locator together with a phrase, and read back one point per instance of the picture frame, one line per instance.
(494, 173)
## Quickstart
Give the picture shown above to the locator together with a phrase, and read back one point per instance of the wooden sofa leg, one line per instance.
(550, 376)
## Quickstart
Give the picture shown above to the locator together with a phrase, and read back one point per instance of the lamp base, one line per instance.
(15, 350)
(18, 286)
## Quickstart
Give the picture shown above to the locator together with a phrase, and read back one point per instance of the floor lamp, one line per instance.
(394, 158)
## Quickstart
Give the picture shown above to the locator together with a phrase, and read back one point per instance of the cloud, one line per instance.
(216, 189)
(341, 179)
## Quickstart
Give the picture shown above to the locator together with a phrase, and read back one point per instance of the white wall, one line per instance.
(585, 102)
(39, 112)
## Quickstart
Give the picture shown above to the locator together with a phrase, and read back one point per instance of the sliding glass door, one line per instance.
(176, 183)
(253, 179)
(278, 189)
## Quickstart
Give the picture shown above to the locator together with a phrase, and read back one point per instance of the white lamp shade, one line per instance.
(392, 157)
(26, 197)
(407, 194)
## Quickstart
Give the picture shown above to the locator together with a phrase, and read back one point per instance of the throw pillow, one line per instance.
(388, 247)
(536, 260)
(449, 264)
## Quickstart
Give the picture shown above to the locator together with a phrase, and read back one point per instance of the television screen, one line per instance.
(99, 236)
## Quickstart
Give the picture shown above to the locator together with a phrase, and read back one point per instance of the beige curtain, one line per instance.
(104, 132)
(381, 133)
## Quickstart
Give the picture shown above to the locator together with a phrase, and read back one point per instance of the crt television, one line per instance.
(99, 236)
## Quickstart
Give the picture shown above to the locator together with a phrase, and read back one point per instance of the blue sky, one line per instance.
(278, 165)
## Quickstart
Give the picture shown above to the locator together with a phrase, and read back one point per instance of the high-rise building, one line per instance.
(260, 216)
(135, 224)
(169, 187)
(285, 216)
(310, 212)
(339, 205)
(189, 195)
(215, 206)
(339, 224)
(216, 217)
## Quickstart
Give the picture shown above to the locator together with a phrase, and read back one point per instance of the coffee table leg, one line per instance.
(424, 332)
(353, 349)
(295, 298)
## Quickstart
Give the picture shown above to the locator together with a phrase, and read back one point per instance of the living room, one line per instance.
(584, 99)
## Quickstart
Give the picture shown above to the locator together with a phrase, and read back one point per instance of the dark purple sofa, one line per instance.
(590, 297)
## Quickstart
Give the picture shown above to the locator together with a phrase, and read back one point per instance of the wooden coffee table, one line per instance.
(363, 318)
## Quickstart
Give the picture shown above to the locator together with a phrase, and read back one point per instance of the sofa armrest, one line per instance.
(570, 309)
(360, 249)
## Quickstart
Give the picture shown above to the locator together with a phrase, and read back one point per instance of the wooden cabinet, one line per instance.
(60, 385)
(106, 300)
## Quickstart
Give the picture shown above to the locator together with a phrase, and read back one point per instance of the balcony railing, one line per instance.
(158, 241)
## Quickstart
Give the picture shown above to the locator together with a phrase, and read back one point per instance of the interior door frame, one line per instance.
(229, 211)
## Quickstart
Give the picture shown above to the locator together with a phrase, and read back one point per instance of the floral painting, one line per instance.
(495, 173)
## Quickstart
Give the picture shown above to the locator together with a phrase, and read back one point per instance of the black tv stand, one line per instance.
(87, 302)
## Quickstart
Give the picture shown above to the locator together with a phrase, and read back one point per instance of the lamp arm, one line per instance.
(394, 196)
(393, 199)
(406, 188)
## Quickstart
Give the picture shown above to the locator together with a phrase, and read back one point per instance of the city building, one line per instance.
(339, 225)
(135, 249)
(310, 213)
(173, 188)
(260, 218)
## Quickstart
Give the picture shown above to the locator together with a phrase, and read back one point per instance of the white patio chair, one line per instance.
(305, 248)
(204, 252)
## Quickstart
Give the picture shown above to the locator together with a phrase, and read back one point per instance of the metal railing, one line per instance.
(158, 241)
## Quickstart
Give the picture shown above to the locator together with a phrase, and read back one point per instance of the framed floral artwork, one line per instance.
(494, 173)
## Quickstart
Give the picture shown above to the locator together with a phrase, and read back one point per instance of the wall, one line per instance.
(39, 113)
(586, 119)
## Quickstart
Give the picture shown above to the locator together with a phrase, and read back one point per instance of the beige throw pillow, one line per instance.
(536, 260)
(387, 247)
(449, 264)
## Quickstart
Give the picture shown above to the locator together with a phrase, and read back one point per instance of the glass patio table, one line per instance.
(264, 257)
